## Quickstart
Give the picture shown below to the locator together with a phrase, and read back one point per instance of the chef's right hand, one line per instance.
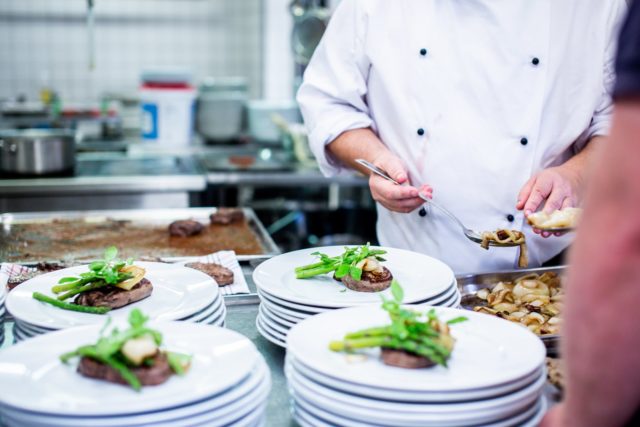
(397, 198)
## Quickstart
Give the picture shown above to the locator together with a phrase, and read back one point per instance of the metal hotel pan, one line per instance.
(471, 283)
(68, 236)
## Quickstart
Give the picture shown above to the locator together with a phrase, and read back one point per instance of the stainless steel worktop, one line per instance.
(108, 173)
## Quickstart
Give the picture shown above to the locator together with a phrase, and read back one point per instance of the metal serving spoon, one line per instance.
(472, 235)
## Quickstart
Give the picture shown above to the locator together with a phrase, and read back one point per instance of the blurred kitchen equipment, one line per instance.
(37, 151)
(310, 19)
(260, 116)
(167, 101)
(220, 108)
(91, 34)
(295, 140)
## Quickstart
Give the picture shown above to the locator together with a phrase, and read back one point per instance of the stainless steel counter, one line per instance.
(241, 316)
(110, 173)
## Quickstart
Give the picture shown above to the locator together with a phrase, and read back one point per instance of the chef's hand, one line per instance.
(556, 187)
(397, 198)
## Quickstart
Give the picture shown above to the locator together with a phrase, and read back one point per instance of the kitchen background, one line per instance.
(80, 64)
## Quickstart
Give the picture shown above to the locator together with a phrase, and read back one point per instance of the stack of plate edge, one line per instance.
(214, 314)
(3, 312)
(241, 405)
(276, 316)
(317, 400)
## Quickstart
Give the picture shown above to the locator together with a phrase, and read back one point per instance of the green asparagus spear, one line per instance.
(67, 306)
(78, 290)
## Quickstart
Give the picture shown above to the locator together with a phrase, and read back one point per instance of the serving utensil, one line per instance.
(472, 235)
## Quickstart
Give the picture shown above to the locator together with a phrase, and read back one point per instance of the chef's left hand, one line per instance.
(556, 187)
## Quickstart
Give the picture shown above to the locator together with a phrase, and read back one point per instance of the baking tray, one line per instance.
(75, 236)
(469, 284)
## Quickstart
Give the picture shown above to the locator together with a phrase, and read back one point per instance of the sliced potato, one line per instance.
(138, 274)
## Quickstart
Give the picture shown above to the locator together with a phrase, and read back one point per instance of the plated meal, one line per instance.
(358, 268)
(413, 339)
(533, 300)
(131, 357)
(507, 237)
(109, 284)
(558, 219)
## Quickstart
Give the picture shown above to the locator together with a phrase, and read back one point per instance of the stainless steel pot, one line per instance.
(37, 151)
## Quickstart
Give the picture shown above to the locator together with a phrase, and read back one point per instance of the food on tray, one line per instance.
(131, 357)
(359, 268)
(555, 372)
(185, 228)
(222, 275)
(84, 236)
(40, 268)
(534, 300)
(226, 216)
(564, 218)
(109, 284)
(412, 340)
(507, 236)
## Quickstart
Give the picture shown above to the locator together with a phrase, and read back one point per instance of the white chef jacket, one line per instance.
(475, 96)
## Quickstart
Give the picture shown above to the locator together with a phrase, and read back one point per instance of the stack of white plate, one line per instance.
(228, 383)
(3, 311)
(285, 300)
(494, 377)
(179, 293)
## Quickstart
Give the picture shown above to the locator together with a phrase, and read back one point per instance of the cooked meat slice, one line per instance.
(185, 228)
(370, 281)
(226, 216)
(222, 275)
(113, 297)
(157, 373)
(404, 359)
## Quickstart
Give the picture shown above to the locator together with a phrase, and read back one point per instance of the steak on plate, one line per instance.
(222, 275)
(111, 296)
(370, 281)
(404, 359)
(157, 373)
(185, 228)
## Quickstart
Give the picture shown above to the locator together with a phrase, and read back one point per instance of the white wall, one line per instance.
(49, 37)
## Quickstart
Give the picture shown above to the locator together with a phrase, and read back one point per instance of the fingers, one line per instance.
(525, 192)
(541, 190)
(390, 191)
(393, 166)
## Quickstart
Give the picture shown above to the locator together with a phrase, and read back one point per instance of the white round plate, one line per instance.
(178, 292)
(283, 312)
(206, 313)
(274, 332)
(435, 415)
(252, 382)
(421, 276)
(272, 326)
(505, 351)
(408, 396)
(280, 342)
(41, 383)
(318, 417)
(302, 309)
(274, 319)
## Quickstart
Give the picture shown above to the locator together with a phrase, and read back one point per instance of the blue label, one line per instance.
(150, 121)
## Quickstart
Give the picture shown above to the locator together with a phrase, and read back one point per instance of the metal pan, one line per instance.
(469, 284)
(78, 236)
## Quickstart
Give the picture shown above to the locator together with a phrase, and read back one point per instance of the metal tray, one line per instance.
(66, 243)
(469, 284)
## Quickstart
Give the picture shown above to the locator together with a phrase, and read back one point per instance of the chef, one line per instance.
(493, 107)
